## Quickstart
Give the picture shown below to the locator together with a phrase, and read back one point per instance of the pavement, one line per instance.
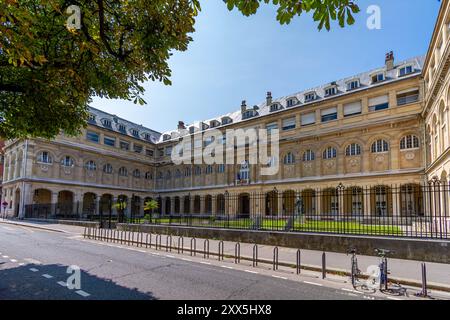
(34, 259)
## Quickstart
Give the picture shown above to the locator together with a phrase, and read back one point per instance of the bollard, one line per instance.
(95, 234)
(298, 261)
(84, 232)
(167, 243)
(121, 236)
(220, 249)
(424, 292)
(324, 266)
(275, 258)
(146, 240)
(180, 243)
(158, 237)
(206, 249)
(193, 246)
(237, 253)
(255, 255)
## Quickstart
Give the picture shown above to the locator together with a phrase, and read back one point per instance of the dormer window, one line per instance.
(403, 71)
(147, 137)
(226, 120)
(275, 107)
(353, 84)
(135, 133)
(248, 114)
(291, 102)
(311, 96)
(379, 77)
(107, 123)
(166, 137)
(204, 126)
(122, 128)
(191, 129)
(214, 123)
(91, 118)
(330, 91)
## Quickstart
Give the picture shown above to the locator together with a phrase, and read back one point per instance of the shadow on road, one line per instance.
(43, 282)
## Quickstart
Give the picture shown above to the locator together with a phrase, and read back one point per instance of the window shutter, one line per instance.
(308, 118)
(352, 108)
(378, 100)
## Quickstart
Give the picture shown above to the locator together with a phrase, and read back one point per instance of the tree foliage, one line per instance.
(49, 73)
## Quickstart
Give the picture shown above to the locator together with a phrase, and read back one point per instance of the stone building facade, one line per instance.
(382, 130)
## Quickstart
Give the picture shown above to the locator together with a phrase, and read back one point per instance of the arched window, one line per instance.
(136, 173)
(289, 158)
(90, 166)
(353, 150)
(409, 142)
(380, 146)
(160, 175)
(178, 173)
(209, 169)
(123, 172)
(197, 170)
(309, 156)
(45, 157)
(187, 172)
(148, 175)
(330, 153)
(168, 175)
(67, 161)
(221, 168)
(107, 168)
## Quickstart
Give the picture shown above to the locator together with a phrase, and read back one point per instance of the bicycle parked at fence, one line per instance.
(357, 281)
(383, 278)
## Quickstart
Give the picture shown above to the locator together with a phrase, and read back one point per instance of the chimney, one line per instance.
(243, 106)
(269, 98)
(389, 61)
(181, 125)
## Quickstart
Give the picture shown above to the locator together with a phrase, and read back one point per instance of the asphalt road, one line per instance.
(33, 265)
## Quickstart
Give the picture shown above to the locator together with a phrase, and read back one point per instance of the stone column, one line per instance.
(202, 205)
(341, 203)
(396, 203)
(54, 202)
(214, 205)
(280, 204)
(97, 204)
(191, 204)
(318, 203)
(367, 206)
(181, 205)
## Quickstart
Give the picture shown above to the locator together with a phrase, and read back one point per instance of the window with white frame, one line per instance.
(291, 102)
(380, 146)
(329, 114)
(67, 161)
(136, 173)
(288, 124)
(123, 172)
(289, 158)
(310, 96)
(135, 133)
(107, 123)
(409, 142)
(378, 77)
(403, 71)
(45, 157)
(197, 170)
(308, 155)
(92, 136)
(90, 165)
(330, 91)
(221, 168)
(352, 109)
(329, 153)
(209, 169)
(271, 126)
(353, 84)
(308, 119)
(353, 149)
(148, 175)
(122, 128)
(275, 107)
(379, 103)
(107, 168)
(187, 172)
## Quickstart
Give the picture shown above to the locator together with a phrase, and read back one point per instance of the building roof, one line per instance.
(365, 80)
(115, 121)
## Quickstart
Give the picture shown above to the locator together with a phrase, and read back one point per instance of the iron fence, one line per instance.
(415, 211)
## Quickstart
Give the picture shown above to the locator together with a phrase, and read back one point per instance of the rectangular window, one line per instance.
(352, 109)
(149, 152)
(330, 91)
(289, 124)
(137, 148)
(271, 126)
(405, 70)
(406, 97)
(161, 152)
(109, 141)
(352, 85)
(378, 78)
(308, 119)
(379, 103)
(93, 136)
(168, 151)
(124, 145)
(310, 96)
(329, 114)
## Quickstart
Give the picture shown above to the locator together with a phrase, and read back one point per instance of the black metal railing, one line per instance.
(415, 211)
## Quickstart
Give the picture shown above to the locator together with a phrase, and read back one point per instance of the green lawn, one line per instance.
(340, 227)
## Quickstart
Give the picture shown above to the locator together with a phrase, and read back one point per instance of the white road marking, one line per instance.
(21, 264)
(82, 293)
(350, 290)
(228, 267)
(31, 260)
(6, 257)
(45, 275)
(34, 270)
(313, 283)
(169, 256)
(13, 260)
(250, 271)
(392, 298)
(207, 263)
(62, 283)
(279, 277)
(186, 259)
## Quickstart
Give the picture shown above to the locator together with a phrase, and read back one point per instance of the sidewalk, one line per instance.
(405, 270)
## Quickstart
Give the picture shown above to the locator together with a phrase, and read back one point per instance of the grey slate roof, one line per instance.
(364, 79)
(116, 121)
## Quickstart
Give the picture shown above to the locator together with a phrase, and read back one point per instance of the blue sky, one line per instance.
(235, 58)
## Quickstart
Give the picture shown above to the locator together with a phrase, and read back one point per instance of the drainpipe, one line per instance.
(24, 171)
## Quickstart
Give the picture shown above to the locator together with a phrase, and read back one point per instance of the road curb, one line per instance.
(32, 226)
